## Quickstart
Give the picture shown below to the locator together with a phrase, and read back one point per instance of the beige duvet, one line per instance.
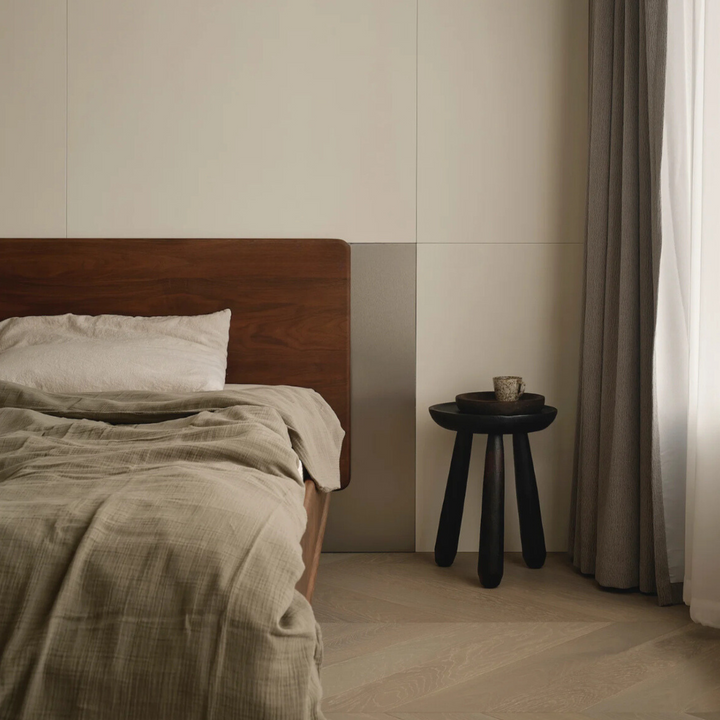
(149, 551)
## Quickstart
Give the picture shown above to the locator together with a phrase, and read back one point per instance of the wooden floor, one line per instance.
(406, 640)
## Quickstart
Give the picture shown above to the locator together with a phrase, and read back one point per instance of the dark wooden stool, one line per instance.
(492, 525)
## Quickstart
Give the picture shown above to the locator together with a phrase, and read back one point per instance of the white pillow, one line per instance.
(86, 353)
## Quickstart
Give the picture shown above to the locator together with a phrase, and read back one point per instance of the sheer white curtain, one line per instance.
(687, 351)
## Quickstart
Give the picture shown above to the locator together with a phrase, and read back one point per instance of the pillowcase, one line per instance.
(87, 353)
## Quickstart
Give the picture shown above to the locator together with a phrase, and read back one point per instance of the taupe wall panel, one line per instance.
(377, 511)
(32, 118)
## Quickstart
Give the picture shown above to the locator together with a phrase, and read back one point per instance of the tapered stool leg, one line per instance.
(492, 523)
(528, 501)
(452, 510)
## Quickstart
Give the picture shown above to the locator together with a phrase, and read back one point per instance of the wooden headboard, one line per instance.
(290, 299)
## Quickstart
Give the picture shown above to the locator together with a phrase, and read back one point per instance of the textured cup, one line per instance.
(508, 388)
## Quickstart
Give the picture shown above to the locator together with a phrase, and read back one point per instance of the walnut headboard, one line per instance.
(290, 299)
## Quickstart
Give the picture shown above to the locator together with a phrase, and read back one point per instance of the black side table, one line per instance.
(492, 525)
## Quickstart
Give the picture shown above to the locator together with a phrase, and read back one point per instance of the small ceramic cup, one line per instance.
(508, 388)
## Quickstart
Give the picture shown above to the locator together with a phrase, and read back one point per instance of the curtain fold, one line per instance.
(693, 164)
(617, 528)
(680, 181)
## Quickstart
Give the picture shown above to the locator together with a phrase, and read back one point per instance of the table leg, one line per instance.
(492, 523)
(531, 528)
(452, 510)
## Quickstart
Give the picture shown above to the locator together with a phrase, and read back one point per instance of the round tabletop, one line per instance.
(448, 416)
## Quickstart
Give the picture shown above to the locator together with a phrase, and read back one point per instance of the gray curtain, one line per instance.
(617, 529)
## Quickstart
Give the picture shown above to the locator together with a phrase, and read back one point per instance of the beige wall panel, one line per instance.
(256, 119)
(377, 511)
(502, 107)
(32, 118)
(486, 310)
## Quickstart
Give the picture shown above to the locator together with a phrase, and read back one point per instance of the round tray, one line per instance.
(484, 403)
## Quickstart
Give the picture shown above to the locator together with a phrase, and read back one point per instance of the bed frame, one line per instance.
(290, 302)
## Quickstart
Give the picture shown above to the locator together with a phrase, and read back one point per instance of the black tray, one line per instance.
(484, 403)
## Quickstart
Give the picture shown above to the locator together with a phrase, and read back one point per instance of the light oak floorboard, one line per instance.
(406, 640)
(534, 716)
(705, 703)
(330, 558)
(558, 592)
(336, 604)
(348, 641)
(568, 677)
(518, 716)
(442, 716)
(356, 716)
(583, 716)
(691, 685)
(436, 658)
(391, 678)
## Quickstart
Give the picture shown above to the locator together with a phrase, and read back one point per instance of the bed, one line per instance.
(290, 316)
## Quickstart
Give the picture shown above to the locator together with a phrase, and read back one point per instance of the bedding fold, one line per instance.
(315, 431)
(149, 552)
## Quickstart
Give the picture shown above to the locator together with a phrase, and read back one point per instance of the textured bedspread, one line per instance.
(149, 551)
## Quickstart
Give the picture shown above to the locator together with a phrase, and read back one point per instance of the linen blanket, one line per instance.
(149, 551)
